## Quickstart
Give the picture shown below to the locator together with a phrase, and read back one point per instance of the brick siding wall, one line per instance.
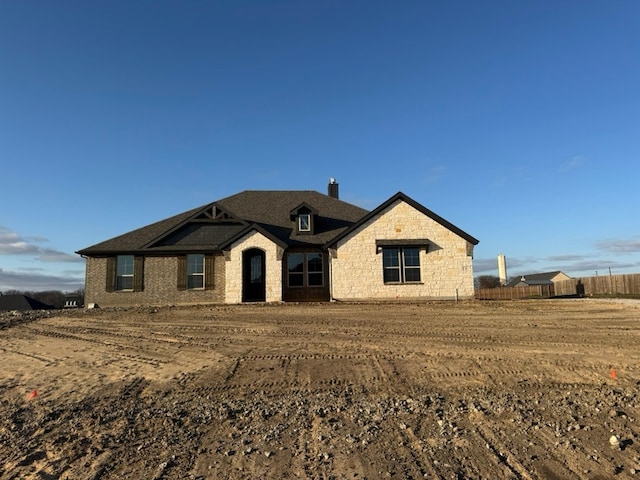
(160, 285)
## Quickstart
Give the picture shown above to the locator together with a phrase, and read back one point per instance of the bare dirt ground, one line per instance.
(477, 390)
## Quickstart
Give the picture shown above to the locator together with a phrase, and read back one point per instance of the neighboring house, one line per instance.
(547, 278)
(21, 303)
(272, 246)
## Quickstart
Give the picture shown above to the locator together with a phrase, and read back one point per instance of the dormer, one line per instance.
(304, 217)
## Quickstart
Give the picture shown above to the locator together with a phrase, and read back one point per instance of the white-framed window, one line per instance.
(195, 271)
(304, 222)
(305, 270)
(124, 272)
(401, 264)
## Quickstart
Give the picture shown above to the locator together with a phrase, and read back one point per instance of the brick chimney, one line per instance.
(333, 188)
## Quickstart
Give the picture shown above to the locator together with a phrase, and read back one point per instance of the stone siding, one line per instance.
(273, 267)
(446, 269)
(160, 285)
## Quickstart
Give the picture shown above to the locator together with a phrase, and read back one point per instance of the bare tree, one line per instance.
(487, 281)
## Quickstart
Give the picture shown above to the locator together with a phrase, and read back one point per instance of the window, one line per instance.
(304, 222)
(305, 270)
(195, 271)
(124, 272)
(303, 217)
(295, 265)
(401, 264)
(256, 269)
(314, 270)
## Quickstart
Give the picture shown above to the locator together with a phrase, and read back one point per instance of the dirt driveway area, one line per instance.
(541, 389)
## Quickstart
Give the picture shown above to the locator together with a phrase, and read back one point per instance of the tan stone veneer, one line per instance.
(273, 267)
(445, 269)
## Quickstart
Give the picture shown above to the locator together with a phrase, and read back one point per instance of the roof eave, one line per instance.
(248, 229)
(405, 198)
(150, 251)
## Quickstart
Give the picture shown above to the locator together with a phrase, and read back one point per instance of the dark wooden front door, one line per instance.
(253, 276)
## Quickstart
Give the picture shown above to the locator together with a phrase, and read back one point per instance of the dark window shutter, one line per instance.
(138, 273)
(209, 281)
(111, 274)
(182, 272)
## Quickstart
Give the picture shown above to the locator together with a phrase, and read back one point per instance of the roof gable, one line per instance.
(252, 228)
(304, 207)
(271, 209)
(214, 225)
(218, 224)
(408, 200)
(210, 225)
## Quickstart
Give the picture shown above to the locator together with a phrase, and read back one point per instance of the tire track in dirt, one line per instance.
(500, 453)
(46, 360)
(345, 391)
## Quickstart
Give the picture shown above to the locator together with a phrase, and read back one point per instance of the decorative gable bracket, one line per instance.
(214, 212)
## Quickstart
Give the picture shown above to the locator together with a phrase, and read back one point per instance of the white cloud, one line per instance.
(515, 175)
(491, 264)
(573, 163)
(12, 244)
(631, 245)
(485, 265)
(565, 258)
(48, 255)
(32, 281)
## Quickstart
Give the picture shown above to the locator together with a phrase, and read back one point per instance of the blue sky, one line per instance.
(518, 122)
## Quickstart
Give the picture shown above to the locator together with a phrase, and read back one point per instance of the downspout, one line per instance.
(331, 299)
(330, 276)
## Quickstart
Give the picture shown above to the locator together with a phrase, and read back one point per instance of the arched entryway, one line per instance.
(253, 275)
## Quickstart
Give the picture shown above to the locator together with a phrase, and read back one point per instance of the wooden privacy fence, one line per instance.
(628, 284)
(514, 293)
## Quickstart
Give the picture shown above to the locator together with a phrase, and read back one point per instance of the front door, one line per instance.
(253, 276)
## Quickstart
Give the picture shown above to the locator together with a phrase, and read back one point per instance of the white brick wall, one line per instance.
(273, 268)
(446, 269)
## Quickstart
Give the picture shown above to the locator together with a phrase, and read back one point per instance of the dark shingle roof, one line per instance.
(545, 278)
(136, 239)
(216, 225)
(268, 210)
(271, 210)
(21, 302)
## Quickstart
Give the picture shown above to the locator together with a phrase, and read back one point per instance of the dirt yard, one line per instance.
(545, 389)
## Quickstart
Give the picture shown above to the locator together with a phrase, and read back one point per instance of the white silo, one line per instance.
(502, 269)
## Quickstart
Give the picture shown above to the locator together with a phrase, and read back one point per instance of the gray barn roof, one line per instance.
(545, 278)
